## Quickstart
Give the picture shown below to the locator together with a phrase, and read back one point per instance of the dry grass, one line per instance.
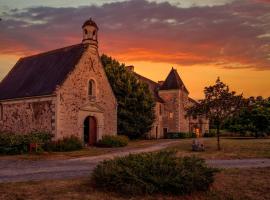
(236, 184)
(90, 151)
(232, 148)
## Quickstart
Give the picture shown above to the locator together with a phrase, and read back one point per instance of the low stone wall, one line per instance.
(26, 116)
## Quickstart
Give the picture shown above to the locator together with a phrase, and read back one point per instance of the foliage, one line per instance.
(254, 118)
(179, 135)
(148, 173)
(71, 143)
(211, 133)
(218, 105)
(18, 143)
(135, 102)
(113, 141)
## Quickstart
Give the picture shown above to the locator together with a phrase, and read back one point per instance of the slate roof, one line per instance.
(153, 86)
(39, 74)
(173, 81)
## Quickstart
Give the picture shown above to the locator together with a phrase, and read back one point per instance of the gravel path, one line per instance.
(25, 170)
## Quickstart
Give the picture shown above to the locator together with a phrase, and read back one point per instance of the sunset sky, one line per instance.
(202, 39)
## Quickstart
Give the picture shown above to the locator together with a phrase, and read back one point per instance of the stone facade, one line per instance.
(74, 103)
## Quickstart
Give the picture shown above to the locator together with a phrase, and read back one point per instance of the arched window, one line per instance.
(91, 88)
(1, 112)
(85, 32)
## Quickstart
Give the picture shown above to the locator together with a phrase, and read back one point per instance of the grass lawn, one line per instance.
(233, 184)
(232, 148)
(90, 151)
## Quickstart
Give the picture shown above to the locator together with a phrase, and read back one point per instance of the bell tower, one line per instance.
(90, 32)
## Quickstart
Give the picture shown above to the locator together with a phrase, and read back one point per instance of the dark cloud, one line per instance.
(234, 35)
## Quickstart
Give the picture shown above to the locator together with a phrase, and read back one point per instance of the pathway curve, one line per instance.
(25, 170)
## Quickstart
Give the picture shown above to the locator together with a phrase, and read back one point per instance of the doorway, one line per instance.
(90, 130)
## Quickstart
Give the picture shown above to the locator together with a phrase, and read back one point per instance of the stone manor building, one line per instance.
(66, 92)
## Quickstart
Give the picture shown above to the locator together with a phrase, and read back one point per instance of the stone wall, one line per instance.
(157, 129)
(25, 116)
(74, 103)
(170, 117)
(183, 120)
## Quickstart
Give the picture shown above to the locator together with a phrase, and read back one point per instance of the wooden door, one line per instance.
(92, 131)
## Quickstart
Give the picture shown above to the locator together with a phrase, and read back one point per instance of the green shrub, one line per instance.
(148, 173)
(71, 143)
(179, 135)
(40, 137)
(211, 133)
(18, 143)
(113, 141)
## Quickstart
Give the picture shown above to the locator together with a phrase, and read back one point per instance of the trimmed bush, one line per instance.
(18, 144)
(71, 143)
(148, 173)
(113, 141)
(211, 133)
(179, 135)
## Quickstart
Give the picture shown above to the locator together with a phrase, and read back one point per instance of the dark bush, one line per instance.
(148, 173)
(71, 143)
(179, 135)
(211, 133)
(18, 143)
(113, 141)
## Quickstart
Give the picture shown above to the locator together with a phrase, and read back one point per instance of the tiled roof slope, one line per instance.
(39, 74)
(173, 81)
(153, 86)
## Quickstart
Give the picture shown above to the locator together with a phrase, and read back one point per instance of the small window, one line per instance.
(91, 88)
(85, 32)
(1, 112)
(170, 115)
(94, 33)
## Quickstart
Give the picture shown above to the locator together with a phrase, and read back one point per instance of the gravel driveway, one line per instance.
(25, 170)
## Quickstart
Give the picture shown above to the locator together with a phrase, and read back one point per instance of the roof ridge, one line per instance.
(52, 51)
(146, 78)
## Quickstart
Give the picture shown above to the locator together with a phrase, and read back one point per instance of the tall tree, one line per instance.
(135, 102)
(218, 105)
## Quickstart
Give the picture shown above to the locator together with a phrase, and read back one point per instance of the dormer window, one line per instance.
(91, 88)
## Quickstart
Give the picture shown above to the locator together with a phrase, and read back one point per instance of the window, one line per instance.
(94, 33)
(85, 32)
(91, 88)
(1, 112)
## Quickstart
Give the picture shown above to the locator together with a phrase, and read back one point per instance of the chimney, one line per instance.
(130, 68)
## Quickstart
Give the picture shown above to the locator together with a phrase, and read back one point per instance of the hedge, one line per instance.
(149, 173)
(179, 135)
(113, 141)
